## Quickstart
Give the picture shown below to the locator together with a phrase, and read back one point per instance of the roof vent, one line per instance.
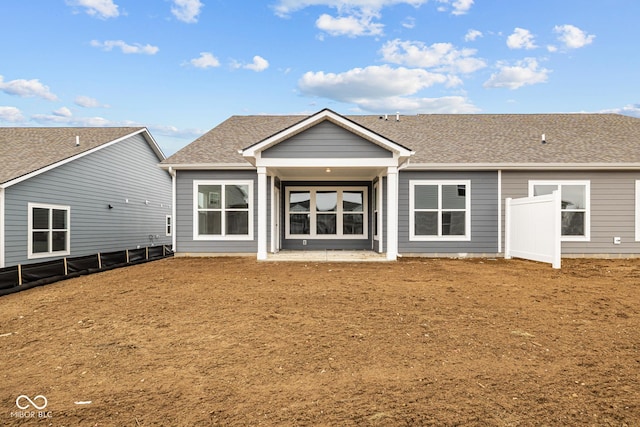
(77, 140)
(543, 139)
(398, 116)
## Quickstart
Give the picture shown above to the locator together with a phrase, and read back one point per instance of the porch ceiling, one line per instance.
(327, 174)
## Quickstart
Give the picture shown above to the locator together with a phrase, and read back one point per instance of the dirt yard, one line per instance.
(233, 341)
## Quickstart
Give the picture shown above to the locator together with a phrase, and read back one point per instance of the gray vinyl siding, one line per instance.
(185, 244)
(326, 141)
(484, 215)
(613, 207)
(328, 244)
(88, 185)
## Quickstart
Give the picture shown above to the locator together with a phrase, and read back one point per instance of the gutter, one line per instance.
(523, 166)
(207, 166)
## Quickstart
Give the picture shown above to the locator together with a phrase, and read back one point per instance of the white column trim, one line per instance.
(272, 225)
(392, 213)
(262, 213)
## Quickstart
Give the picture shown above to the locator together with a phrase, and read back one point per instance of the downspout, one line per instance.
(2, 230)
(174, 230)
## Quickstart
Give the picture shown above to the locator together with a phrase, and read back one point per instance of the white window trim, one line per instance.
(30, 254)
(222, 237)
(587, 215)
(168, 225)
(339, 212)
(467, 227)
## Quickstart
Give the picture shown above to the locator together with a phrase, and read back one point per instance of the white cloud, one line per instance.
(259, 64)
(383, 88)
(573, 37)
(628, 110)
(186, 10)
(27, 89)
(68, 120)
(521, 39)
(351, 26)
(409, 22)
(100, 8)
(126, 48)
(461, 7)
(62, 112)
(443, 57)
(175, 132)
(523, 73)
(368, 83)
(444, 105)
(286, 7)
(11, 115)
(205, 60)
(472, 35)
(88, 102)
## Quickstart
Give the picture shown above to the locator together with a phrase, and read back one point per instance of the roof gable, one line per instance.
(326, 140)
(29, 151)
(254, 150)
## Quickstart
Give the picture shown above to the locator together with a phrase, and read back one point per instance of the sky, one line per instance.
(181, 67)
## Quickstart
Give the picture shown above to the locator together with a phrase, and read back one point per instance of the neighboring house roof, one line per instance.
(450, 139)
(26, 150)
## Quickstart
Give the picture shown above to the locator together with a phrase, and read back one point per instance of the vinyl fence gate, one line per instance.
(533, 228)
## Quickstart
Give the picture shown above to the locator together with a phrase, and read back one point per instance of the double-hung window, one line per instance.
(439, 210)
(575, 206)
(223, 210)
(48, 230)
(327, 212)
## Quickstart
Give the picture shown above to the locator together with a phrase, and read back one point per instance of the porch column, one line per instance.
(392, 213)
(262, 213)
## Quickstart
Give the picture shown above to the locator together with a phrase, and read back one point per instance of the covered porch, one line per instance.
(327, 184)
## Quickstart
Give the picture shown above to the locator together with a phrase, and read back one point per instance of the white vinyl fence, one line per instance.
(533, 228)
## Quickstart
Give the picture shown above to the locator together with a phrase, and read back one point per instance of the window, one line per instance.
(168, 226)
(326, 212)
(223, 210)
(48, 230)
(574, 196)
(440, 210)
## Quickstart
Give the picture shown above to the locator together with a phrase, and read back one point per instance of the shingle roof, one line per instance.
(499, 139)
(26, 150)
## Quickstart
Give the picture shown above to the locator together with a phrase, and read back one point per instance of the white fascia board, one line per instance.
(316, 118)
(320, 163)
(208, 166)
(152, 143)
(522, 166)
(70, 159)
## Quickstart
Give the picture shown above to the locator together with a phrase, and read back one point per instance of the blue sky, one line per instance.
(180, 67)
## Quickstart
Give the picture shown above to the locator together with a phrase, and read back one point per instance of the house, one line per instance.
(80, 191)
(429, 185)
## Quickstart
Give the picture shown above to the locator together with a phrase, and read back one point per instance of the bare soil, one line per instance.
(418, 342)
